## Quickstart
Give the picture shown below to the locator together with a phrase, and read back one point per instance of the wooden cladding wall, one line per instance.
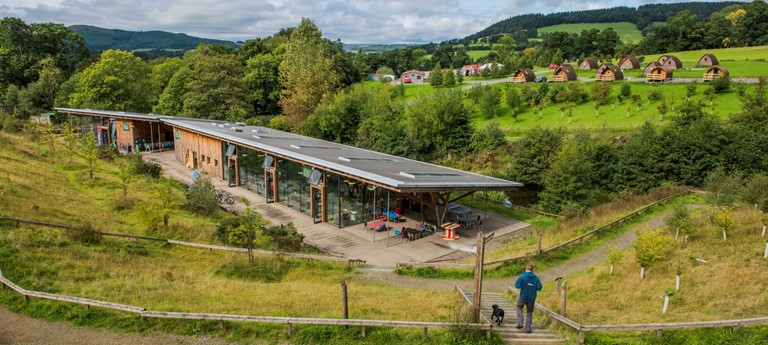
(124, 137)
(195, 150)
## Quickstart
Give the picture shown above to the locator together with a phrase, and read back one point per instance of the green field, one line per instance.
(475, 54)
(612, 115)
(625, 30)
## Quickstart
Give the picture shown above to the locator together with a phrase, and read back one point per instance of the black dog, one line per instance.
(498, 314)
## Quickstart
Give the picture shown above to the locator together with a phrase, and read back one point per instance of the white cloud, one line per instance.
(351, 21)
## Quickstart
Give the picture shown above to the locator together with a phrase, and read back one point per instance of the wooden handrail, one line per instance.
(189, 244)
(564, 320)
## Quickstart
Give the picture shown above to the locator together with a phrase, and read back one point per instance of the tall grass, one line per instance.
(730, 285)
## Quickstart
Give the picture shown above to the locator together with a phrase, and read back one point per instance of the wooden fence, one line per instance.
(591, 232)
(288, 321)
(658, 327)
(351, 261)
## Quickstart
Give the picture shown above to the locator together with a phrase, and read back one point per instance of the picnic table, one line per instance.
(450, 231)
(376, 225)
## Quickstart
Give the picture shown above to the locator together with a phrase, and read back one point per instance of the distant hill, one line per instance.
(370, 48)
(641, 16)
(99, 39)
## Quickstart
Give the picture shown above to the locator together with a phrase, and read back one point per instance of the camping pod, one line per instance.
(659, 73)
(563, 73)
(715, 72)
(609, 72)
(708, 60)
(588, 64)
(523, 75)
(629, 62)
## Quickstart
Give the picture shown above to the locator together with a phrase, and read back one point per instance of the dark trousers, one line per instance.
(529, 313)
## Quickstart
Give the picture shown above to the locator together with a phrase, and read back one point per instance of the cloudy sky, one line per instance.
(351, 21)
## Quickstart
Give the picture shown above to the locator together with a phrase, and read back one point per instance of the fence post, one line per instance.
(362, 332)
(345, 309)
(563, 294)
(425, 333)
(289, 329)
(26, 298)
(765, 256)
(581, 337)
(660, 333)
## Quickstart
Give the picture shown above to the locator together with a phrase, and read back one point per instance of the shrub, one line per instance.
(285, 237)
(108, 153)
(222, 228)
(84, 233)
(721, 84)
(141, 167)
(201, 198)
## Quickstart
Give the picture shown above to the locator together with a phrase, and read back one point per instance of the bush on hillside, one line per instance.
(201, 198)
(141, 167)
(721, 84)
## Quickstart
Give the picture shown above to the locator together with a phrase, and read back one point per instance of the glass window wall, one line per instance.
(251, 171)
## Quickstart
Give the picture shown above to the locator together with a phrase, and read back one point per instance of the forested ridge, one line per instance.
(642, 16)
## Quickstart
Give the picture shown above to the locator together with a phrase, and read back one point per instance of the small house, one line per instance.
(651, 66)
(609, 72)
(708, 60)
(470, 70)
(563, 73)
(414, 77)
(588, 64)
(673, 62)
(715, 72)
(659, 73)
(524, 75)
(629, 62)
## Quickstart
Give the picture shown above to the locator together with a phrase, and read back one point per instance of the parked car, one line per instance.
(407, 80)
(540, 79)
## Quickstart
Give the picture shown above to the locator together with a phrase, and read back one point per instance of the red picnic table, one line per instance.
(450, 231)
(376, 225)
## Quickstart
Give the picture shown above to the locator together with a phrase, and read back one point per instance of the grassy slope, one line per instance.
(611, 116)
(625, 30)
(154, 276)
(727, 287)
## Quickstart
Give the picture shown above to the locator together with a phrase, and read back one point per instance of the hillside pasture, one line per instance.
(626, 30)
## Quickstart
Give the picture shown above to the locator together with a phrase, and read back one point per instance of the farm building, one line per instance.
(708, 60)
(715, 72)
(563, 73)
(629, 62)
(470, 70)
(650, 66)
(524, 75)
(673, 62)
(659, 73)
(588, 64)
(414, 77)
(609, 72)
(329, 182)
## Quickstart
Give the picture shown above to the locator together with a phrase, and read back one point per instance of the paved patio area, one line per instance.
(355, 242)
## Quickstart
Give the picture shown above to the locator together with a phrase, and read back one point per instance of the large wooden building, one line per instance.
(629, 62)
(564, 72)
(523, 75)
(715, 72)
(608, 72)
(330, 182)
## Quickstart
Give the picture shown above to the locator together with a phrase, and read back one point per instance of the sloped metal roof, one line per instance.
(397, 173)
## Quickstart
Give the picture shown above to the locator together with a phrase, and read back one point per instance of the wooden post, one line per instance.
(677, 282)
(763, 235)
(87, 307)
(289, 329)
(563, 294)
(765, 256)
(425, 333)
(489, 333)
(476, 299)
(541, 234)
(362, 332)
(659, 333)
(345, 308)
(666, 304)
(26, 299)
(221, 324)
(642, 272)
(581, 337)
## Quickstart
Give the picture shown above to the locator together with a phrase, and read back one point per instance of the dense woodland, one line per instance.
(297, 80)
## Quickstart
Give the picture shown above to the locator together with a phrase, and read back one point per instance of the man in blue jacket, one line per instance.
(528, 284)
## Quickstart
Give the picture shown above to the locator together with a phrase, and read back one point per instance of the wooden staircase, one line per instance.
(508, 329)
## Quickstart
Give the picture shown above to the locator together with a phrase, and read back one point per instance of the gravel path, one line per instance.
(19, 329)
